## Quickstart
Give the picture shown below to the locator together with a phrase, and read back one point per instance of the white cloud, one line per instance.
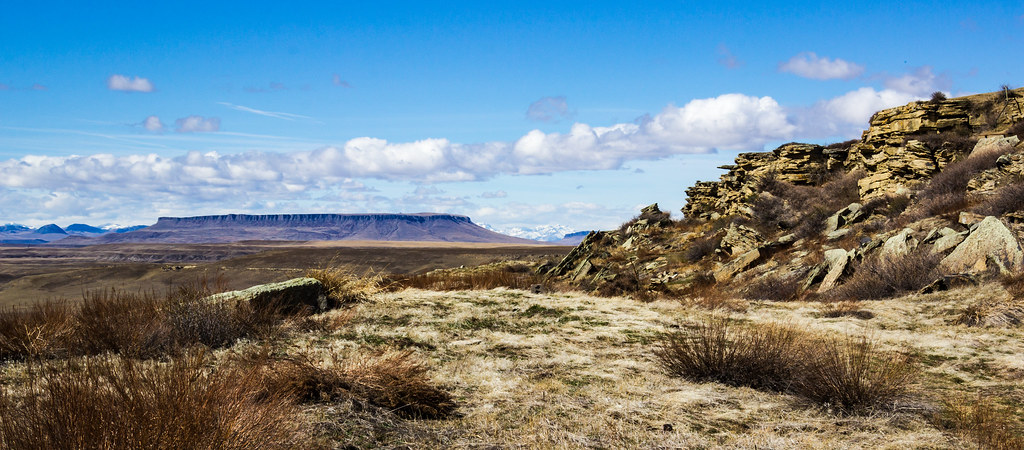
(152, 123)
(133, 84)
(809, 65)
(197, 124)
(549, 109)
(921, 82)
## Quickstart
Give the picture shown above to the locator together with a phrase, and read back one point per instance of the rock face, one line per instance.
(294, 295)
(902, 146)
(314, 227)
(990, 242)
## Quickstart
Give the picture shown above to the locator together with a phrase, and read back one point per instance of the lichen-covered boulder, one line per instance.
(294, 295)
(990, 242)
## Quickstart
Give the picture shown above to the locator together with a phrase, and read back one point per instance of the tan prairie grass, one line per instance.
(983, 421)
(110, 402)
(567, 370)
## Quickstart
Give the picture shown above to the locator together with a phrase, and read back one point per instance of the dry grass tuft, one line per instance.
(852, 375)
(716, 350)
(847, 375)
(834, 309)
(981, 420)
(43, 330)
(343, 287)
(512, 276)
(396, 381)
(109, 402)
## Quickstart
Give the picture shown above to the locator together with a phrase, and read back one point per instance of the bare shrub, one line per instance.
(701, 247)
(885, 277)
(949, 142)
(946, 191)
(774, 287)
(1016, 129)
(851, 374)
(122, 322)
(111, 402)
(45, 329)
(716, 350)
(394, 380)
(842, 145)
(982, 420)
(938, 97)
(1009, 198)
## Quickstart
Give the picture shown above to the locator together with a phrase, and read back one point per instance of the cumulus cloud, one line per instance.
(549, 109)
(921, 82)
(153, 123)
(337, 81)
(809, 65)
(134, 84)
(726, 58)
(197, 124)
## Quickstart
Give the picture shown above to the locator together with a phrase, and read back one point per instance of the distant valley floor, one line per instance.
(30, 274)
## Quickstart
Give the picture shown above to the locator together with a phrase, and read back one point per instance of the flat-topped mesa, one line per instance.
(290, 220)
(902, 146)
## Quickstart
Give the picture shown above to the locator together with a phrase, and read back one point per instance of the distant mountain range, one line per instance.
(20, 234)
(297, 227)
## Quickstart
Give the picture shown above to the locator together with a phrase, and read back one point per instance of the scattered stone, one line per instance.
(740, 239)
(968, 218)
(741, 262)
(947, 241)
(836, 260)
(899, 245)
(947, 282)
(990, 241)
(843, 217)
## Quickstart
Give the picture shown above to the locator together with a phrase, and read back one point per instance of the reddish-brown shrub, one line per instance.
(884, 277)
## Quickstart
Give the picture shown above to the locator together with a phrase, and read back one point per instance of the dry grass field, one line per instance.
(505, 368)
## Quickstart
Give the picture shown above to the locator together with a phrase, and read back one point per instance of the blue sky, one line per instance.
(518, 114)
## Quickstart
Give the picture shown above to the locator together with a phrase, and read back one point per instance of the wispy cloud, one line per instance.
(809, 65)
(134, 84)
(273, 86)
(197, 124)
(337, 81)
(39, 87)
(727, 58)
(549, 109)
(276, 115)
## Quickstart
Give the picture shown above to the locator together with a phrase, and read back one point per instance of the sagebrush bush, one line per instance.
(113, 403)
(700, 248)
(343, 287)
(774, 287)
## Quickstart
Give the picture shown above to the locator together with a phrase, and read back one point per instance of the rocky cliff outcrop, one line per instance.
(834, 220)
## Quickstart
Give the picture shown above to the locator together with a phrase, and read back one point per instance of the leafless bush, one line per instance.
(851, 374)
(1016, 130)
(109, 402)
(774, 287)
(885, 277)
(701, 247)
(1009, 198)
(938, 97)
(717, 350)
(43, 330)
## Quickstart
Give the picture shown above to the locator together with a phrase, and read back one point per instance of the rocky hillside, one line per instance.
(311, 227)
(929, 197)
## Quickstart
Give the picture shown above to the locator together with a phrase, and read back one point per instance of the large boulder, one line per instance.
(836, 261)
(990, 242)
(740, 239)
(294, 295)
